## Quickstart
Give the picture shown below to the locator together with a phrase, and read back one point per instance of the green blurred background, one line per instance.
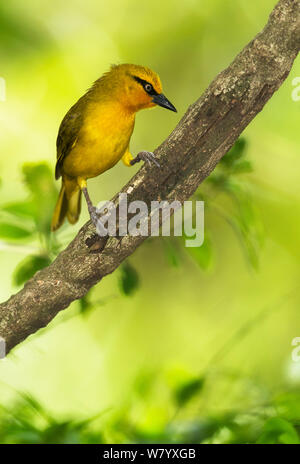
(176, 345)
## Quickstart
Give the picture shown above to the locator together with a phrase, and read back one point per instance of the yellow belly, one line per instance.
(101, 143)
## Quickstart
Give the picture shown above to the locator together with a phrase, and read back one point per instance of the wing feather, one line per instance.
(68, 133)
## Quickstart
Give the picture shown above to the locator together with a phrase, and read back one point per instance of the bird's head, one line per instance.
(137, 87)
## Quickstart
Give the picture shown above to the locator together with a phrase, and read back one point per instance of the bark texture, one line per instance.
(206, 132)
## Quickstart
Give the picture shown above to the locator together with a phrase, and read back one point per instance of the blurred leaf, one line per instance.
(203, 255)
(27, 421)
(84, 304)
(288, 403)
(144, 383)
(23, 209)
(277, 430)
(194, 431)
(235, 153)
(247, 240)
(243, 218)
(242, 167)
(39, 179)
(13, 232)
(217, 180)
(171, 252)
(28, 267)
(188, 390)
(17, 36)
(245, 223)
(129, 280)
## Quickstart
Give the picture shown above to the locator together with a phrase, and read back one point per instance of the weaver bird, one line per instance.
(95, 134)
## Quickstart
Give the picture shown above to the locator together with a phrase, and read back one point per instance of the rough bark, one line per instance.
(206, 132)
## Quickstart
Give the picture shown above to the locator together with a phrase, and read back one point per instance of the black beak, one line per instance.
(161, 100)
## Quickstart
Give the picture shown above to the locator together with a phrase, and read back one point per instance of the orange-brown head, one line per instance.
(136, 87)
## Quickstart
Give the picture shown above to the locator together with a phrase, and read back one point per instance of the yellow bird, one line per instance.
(95, 134)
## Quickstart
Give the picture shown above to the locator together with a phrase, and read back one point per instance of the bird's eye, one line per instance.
(148, 87)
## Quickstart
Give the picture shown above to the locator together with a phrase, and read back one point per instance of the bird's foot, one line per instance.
(146, 156)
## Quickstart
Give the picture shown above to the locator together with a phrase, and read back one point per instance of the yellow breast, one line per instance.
(102, 140)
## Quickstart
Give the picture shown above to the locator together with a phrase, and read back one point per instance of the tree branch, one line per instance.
(206, 132)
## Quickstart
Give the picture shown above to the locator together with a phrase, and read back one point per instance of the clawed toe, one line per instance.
(149, 157)
(146, 156)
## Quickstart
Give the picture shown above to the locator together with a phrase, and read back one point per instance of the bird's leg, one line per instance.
(91, 208)
(146, 156)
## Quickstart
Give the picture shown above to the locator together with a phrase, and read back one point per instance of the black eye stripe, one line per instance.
(144, 83)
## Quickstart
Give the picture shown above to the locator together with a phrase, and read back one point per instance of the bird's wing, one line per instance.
(68, 134)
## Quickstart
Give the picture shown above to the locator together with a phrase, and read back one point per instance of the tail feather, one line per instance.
(66, 207)
(74, 207)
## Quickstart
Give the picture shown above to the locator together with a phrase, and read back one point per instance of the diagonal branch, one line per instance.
(206, 132)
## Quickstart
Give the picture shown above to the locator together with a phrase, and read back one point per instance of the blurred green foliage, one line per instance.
(180, 345)
(129, 279)
(267, 422)
(17, 36)
(29, 221)
(226, 182)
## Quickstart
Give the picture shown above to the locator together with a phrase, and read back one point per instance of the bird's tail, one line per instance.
(68, 205)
